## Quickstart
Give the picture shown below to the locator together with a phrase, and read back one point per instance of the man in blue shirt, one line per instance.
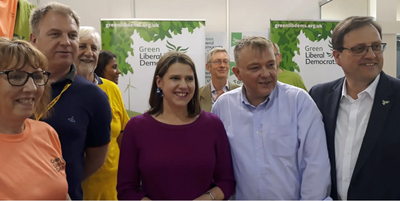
(275, 130)
(80, 111)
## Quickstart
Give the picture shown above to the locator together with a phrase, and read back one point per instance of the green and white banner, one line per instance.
(235, 38)
(139, 44)
(306, 48)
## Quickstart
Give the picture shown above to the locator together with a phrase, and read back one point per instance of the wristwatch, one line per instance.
(211, 195)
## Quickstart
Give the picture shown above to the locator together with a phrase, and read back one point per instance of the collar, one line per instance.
(70, 77)
(371, 89)
(213, 88)
(97, 80)
(244, 100)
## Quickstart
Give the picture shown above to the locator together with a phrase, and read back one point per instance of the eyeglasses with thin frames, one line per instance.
(19, 78)
(219, 62)
(361, 50)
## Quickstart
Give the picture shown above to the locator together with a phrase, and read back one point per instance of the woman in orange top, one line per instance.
(32, 166)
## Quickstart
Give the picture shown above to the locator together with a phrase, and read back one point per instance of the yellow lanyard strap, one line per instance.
(54, 101)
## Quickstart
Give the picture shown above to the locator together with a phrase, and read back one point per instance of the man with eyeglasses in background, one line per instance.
(361, 115)
(218, 65)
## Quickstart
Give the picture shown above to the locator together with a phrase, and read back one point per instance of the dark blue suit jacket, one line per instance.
(377, 172)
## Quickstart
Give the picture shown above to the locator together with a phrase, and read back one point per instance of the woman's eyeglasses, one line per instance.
(19, 78)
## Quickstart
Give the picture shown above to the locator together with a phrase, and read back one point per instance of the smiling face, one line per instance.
(257, 70)
(178, 85)
(19, 102)
(360, 68)
(111, 72)
(57, 39)
(88, 56)
(219, 65)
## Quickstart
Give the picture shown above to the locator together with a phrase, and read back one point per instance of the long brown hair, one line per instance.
(156, 101)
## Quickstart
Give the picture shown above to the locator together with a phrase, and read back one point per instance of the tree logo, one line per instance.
(330, 54)
(172, 47)
(236, 37)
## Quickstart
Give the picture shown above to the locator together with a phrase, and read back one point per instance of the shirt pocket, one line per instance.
(281, 140)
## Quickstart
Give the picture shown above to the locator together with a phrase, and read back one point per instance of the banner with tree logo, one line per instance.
(139, 44)
(306, 48)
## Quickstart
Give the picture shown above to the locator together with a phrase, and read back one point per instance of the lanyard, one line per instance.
(54, 101)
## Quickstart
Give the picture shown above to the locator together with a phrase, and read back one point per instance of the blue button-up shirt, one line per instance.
(278, 148)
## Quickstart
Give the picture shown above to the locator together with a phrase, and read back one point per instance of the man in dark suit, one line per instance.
(361, 112)
(218, 65)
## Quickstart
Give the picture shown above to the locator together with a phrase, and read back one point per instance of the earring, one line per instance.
(159, 92)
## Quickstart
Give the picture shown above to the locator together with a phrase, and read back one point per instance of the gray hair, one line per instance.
(277, 48)
(256, 43)
(87, 32)
(215, 50)
(40, 12)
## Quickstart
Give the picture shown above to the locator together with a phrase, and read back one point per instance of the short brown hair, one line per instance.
(156, 101)
(40, 12)
(215, 50)
(17, 54)
(256, 43)
(350, 24)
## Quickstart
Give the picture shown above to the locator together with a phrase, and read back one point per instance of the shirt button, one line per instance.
(347, 153)
(350, 129)
(258, 132)
(260, 177)
(259, 153)
(347, 180)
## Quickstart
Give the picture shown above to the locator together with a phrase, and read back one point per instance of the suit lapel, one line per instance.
(205, 98)
(333, 102)
(231, 86)
(376, 122)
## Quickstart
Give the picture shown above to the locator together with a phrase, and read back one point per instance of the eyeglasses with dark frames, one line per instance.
(19, 78)
(361, 50)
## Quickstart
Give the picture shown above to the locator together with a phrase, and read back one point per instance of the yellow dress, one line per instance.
(102, 184)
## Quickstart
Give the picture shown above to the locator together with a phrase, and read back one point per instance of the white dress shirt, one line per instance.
(351, 124)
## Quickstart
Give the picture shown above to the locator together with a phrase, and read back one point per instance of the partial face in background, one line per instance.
(358, 65)
(111, 72)
(219, 65)
(88, 56)
(178, 85)
(57, 39)
(278, 57)
(19, 102)
(258, 72)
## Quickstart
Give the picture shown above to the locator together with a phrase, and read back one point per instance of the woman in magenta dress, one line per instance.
(175, 150)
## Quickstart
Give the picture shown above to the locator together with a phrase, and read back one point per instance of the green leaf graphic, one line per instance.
(287, 38)
(170, 44)
(117, 39)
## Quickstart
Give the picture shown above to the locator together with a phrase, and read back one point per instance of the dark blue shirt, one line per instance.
(82, 118)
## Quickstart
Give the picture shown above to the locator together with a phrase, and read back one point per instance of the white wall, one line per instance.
(213, 11)
(340, 9)
(255, 15)
(90, 11)
(244, 15)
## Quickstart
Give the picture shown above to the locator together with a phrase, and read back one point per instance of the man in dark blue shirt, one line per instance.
(80, 111)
